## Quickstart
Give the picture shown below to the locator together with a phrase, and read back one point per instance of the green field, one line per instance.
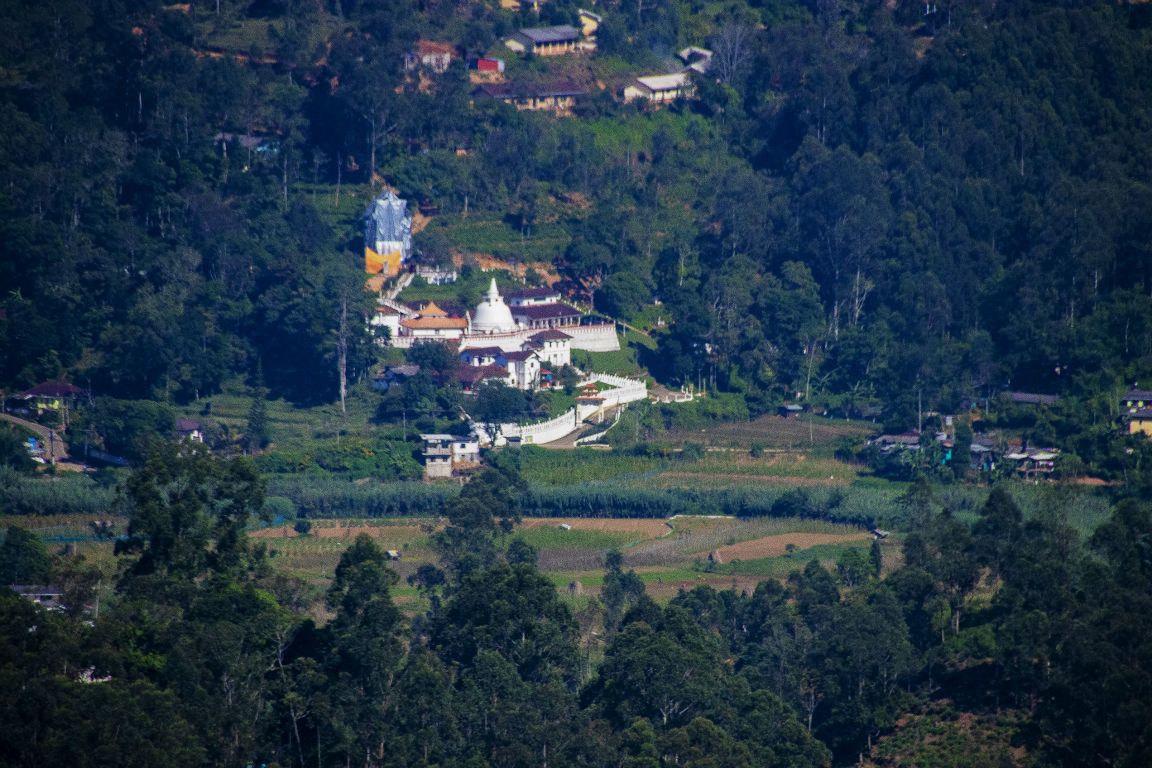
(620, 363)
(806, 433)
(484, 233)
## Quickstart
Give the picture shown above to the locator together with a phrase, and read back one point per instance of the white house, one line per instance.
(430, 54)
(523, 368)
(444, 453)
(190, 430)
(478, 357)
(554, 347)
(532, 297)
(661, 89)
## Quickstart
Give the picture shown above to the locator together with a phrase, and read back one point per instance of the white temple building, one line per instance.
(495, 324)
(492, 314)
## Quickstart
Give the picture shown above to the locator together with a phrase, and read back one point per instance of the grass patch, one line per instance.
(543, 538)
(813, 435)
(491, 234)
(622, 362)
(736, 466)
(469, 288)
(780, 567)
(541, 466)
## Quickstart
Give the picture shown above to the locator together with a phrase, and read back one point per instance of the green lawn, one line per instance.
(546, 537)
(779, 567)
(620, 363)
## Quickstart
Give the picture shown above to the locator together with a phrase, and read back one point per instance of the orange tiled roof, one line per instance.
(437, 323)
(430, 47)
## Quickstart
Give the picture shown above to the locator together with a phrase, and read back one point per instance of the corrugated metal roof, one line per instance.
(665, 82)
(505, 91)
(558, 34)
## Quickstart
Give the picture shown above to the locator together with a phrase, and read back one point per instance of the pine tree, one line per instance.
(256, 430)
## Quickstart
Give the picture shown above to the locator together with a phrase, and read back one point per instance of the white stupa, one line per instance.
(492, 314)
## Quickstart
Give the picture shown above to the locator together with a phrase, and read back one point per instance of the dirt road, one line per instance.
(55, 449)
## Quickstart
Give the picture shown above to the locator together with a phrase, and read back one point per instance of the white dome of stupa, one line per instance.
(492, 314)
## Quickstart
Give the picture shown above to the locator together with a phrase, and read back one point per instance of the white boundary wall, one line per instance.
(590, 338)
(624, 391)
(544, 432)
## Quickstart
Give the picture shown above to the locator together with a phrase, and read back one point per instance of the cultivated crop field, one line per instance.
(668, 554)
(806, 432)
(719, 468)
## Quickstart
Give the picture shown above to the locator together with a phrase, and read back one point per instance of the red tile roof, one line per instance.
(52, 389)
(435, 323)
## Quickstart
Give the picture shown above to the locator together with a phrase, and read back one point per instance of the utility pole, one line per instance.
(919, 411)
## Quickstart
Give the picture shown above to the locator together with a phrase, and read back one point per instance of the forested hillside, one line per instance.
(866, 208)
(1007, 642)
(865, 204)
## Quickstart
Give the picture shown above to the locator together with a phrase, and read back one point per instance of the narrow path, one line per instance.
(402, 283)
(568, 442)
(55, 449)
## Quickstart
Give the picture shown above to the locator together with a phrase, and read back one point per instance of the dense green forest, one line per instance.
(866, 204)
(875, 208)
(203, 655)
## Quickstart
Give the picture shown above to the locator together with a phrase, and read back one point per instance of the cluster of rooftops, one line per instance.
(527, 309)
(558, 94)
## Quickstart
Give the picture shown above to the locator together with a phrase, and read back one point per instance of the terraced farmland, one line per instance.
(802, 433)
(669, 554)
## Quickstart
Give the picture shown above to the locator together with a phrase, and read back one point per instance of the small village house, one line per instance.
(442, 454)
(190, 430)
(489, 65)
(430, 55)
(46, 596)
(49, 397)
(531, 297)
(437, 455)
(1137, 407)
(661, 89)
(554, 347)
(437, 275)
(558, 97)
(392, 376)
(545, 41)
